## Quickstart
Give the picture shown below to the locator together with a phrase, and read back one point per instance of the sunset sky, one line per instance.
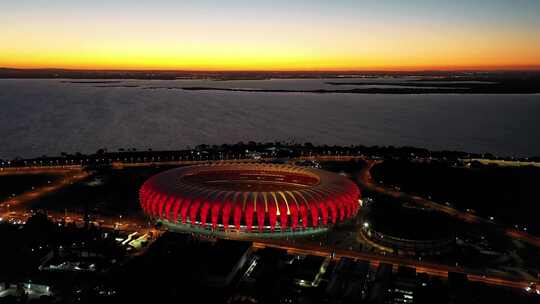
(270, 35)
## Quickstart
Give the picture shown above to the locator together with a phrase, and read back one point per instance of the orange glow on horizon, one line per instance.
(247, 40)
(275, 60)
(261, 65)
(279, 68)
(287, 69)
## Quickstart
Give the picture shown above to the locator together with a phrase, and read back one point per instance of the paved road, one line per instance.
(421, 267)
(38, 170)
(69, 177)
(365, 180)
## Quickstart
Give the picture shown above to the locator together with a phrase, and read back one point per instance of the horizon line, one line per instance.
(531, 68)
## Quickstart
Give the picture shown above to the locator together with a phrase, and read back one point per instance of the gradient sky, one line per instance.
(270, 35)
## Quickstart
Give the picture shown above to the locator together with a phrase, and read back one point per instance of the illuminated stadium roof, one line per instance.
(249, 198)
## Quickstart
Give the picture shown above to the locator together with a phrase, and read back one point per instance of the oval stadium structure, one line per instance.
(262, 200)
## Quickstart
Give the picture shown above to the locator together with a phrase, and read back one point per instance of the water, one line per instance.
(46, 117)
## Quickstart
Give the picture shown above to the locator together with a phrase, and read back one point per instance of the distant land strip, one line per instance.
(408, 90)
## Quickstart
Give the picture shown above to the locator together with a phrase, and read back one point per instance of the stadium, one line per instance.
(260, 200)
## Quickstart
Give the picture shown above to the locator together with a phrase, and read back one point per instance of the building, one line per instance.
(380, 290)
(349, 281)
(233, 255)
(262, 200)
(309, 270)
(403, 286)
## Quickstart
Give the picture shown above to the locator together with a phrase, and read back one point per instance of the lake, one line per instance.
(46, 117)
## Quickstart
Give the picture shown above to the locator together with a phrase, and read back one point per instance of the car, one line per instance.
(531, 288)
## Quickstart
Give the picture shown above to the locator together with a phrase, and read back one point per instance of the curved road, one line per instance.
(365, 180)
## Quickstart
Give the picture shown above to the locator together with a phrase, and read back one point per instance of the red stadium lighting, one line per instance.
(254, 199)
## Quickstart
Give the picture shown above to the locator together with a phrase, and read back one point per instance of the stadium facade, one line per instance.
(252, 199)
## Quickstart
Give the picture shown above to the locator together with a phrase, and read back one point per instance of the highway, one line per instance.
(39, 170)
(69, 176)
(421, 267)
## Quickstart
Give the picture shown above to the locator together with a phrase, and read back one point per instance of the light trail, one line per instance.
(70, 177)
(421, 267)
